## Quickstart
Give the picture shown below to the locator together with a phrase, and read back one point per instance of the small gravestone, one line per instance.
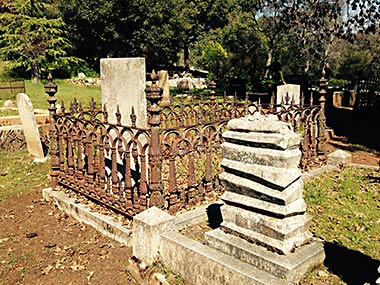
(123, 85)
(288, 93)
(163, 82)
(29, 126)
(264, 216)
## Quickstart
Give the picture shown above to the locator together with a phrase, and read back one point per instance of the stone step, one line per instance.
(267, 140)
(290, 267)
(277, 228)
(279, 246)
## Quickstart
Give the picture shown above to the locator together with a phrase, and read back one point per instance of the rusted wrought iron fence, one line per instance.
(368, 95)
(173, 163)
(10, 88)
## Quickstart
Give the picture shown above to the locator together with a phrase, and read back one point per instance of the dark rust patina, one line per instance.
(172, 164)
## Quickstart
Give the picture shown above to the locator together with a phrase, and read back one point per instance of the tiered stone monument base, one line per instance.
(264, 216)
(290, 267)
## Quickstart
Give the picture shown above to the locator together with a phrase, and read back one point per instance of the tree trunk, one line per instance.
(36, 73)
(268, 63)
(186, 55)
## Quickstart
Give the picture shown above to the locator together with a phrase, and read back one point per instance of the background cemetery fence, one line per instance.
(173, 163)
(368, 95)
(10, 88)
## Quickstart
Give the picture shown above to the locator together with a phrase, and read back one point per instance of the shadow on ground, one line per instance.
(214, 215)
(353, 267)
(359, 127)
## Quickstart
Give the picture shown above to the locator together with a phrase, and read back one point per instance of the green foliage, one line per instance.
(338, 82)
(100, 29)
(214, 59)
(31, 41)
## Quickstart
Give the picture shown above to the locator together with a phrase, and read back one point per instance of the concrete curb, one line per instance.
(102, 223)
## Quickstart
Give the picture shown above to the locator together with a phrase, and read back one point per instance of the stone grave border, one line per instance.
(195, 261)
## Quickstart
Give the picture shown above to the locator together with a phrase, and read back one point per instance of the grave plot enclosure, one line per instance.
(10, 88)
(173, 163)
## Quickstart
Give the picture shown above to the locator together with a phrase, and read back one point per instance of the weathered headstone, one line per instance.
(29, 126)
(163, 82)
(288, 92)
(123, 85)
(264, 216)
(338, 99)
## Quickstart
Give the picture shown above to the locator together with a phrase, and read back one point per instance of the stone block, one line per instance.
(276, 228)
(260, 123)
(147, 227)
(278, 178)
(267, 140)
(250, 188)
(289, 158)
(339, 157)
(290, 267)
(296, 207)
(275, 245)
(338, 99)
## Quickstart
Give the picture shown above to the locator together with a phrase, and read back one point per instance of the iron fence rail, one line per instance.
(173, 163)
(10, 88)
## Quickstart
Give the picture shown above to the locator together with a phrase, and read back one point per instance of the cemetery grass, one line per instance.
(66, 92)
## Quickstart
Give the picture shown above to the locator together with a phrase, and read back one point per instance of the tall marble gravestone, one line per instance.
(288, 93)
(264, 216)
(29, 126)
(123, 85)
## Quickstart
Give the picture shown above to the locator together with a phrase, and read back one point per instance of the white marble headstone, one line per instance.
(123, 85)
(287, 93)
(29, 126)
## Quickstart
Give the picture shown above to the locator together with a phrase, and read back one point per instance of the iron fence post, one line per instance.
(321, 140)
(51, 90)
(153, 94)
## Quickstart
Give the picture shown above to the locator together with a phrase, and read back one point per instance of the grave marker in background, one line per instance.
(29, 126)
(123, 85)
(163, 82)
(287, 93)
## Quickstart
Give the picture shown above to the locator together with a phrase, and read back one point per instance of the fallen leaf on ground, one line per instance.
(89, 276)
(47, 269)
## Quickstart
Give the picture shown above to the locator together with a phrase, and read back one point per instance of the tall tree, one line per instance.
(31, 40)
(135, 28)
(196, 18)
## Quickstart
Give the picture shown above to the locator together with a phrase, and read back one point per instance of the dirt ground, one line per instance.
(360, 154)
(41, 245)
